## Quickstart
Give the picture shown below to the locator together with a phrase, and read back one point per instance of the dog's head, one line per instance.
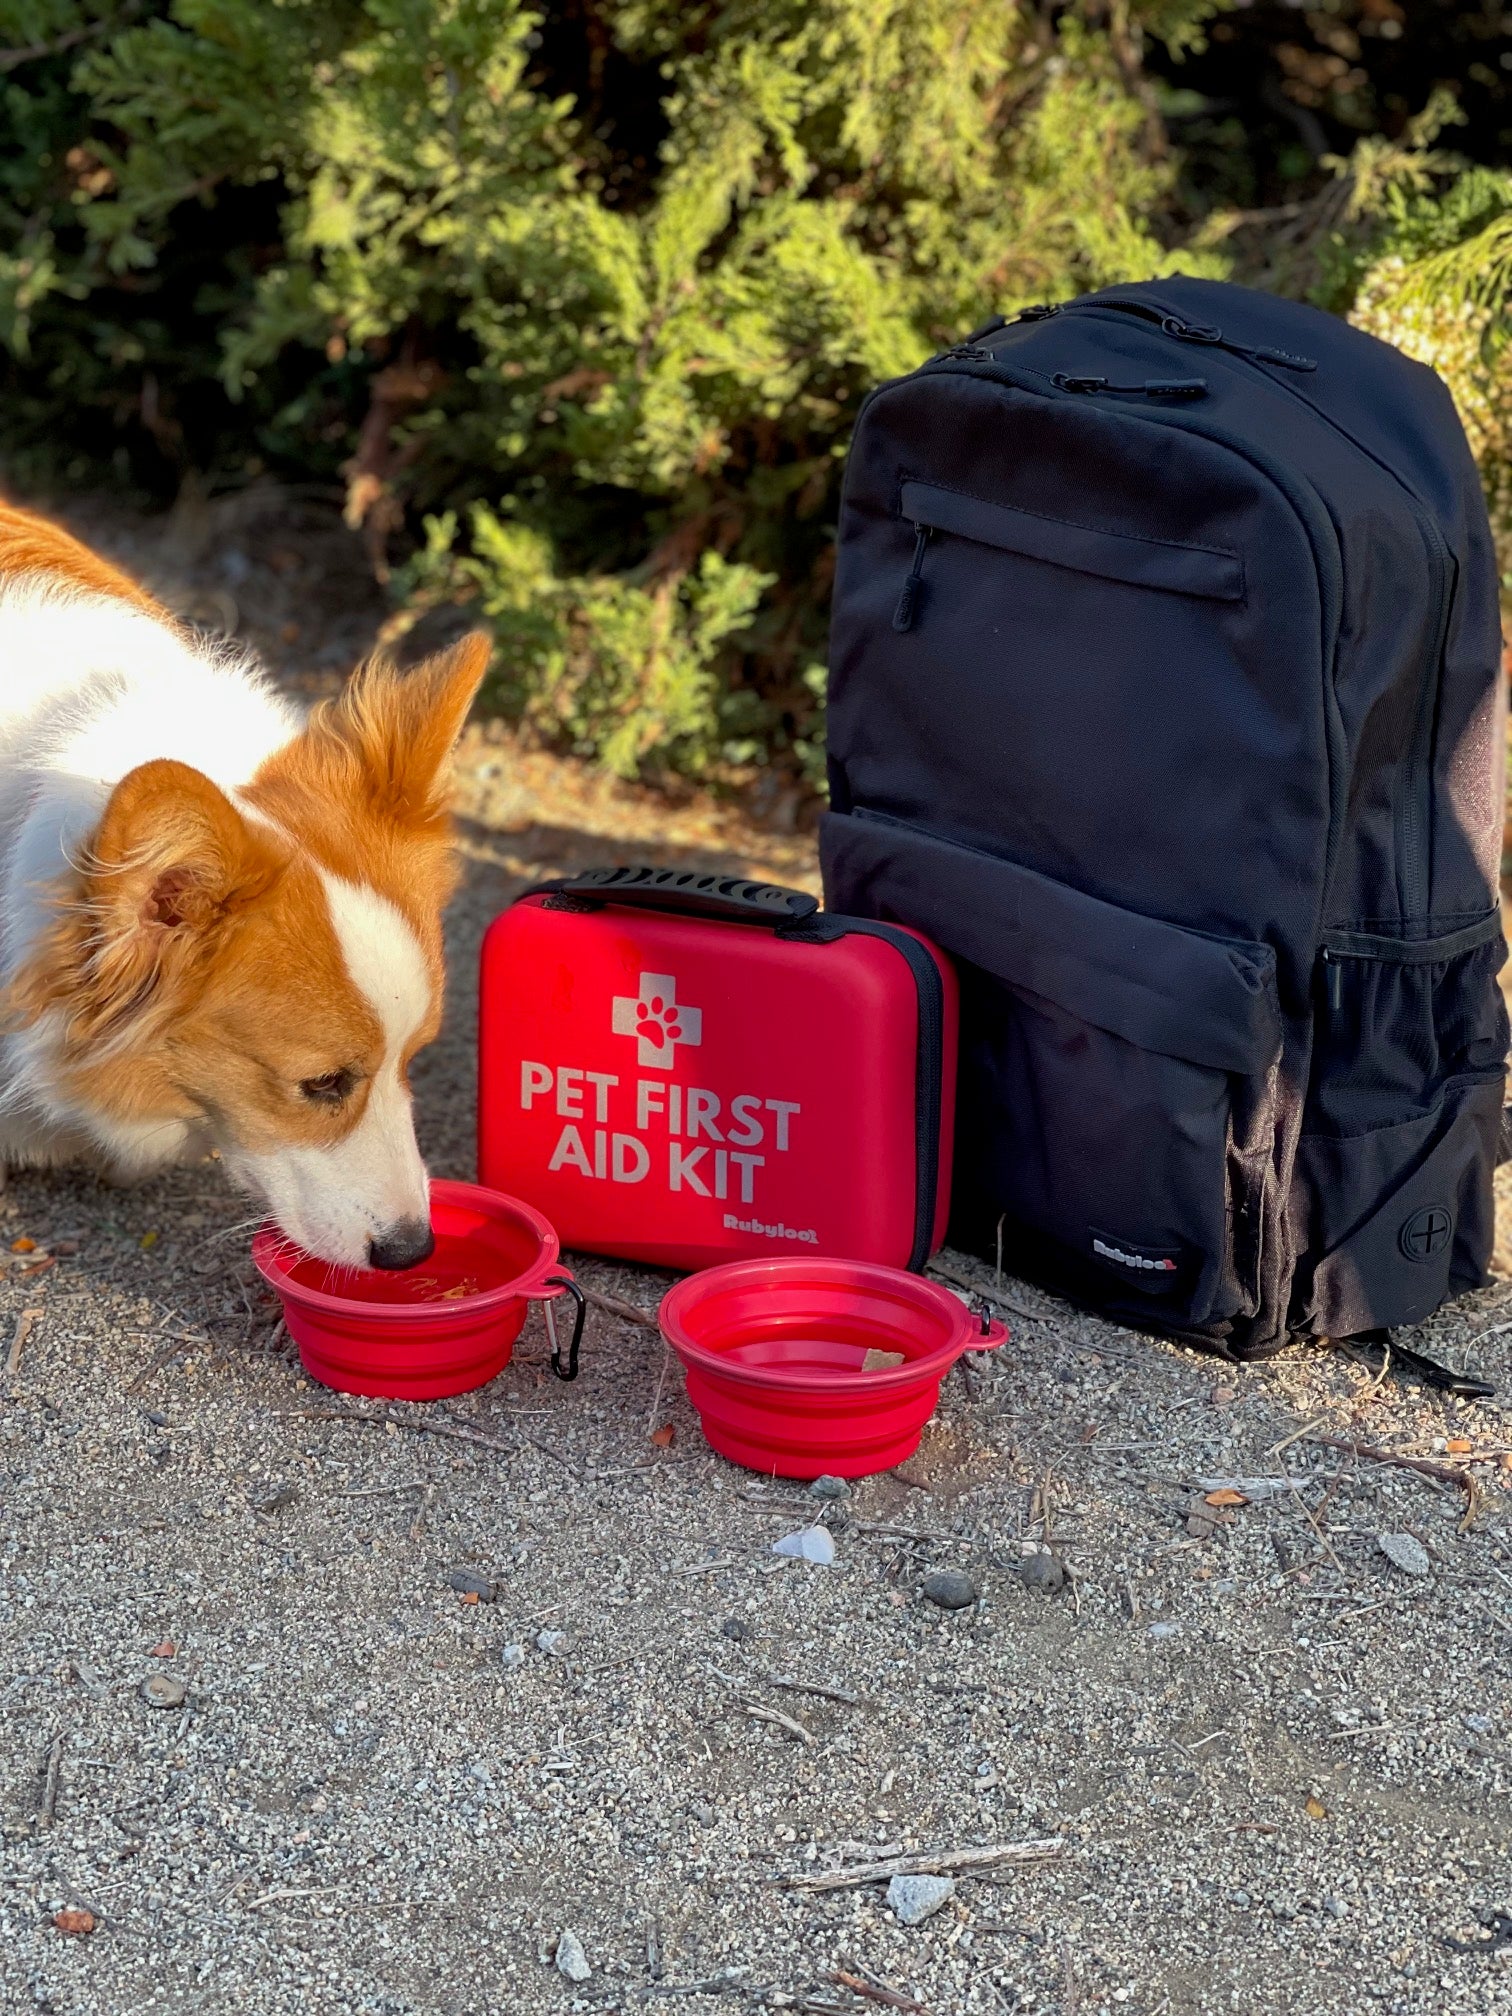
(260, 971)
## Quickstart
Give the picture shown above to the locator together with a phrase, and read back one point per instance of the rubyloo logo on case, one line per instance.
(658, 1020)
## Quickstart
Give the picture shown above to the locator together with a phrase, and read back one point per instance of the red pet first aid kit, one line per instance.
(683, 1069)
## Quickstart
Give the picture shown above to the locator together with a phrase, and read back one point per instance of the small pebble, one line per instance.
(1165, 1630)
(511, 1657)
(552, 1643)
(1241, 1898)
(1405, 1552)
(571, 1960)
(950, 1589)
(814, 1543)
(912, 1899)
(829, 1487)
(161, 1690)
(736, 1628)
(1335, 1907)
(468, 1582)
(1044, 1572)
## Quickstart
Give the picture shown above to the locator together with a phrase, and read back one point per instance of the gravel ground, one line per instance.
(260, 1741)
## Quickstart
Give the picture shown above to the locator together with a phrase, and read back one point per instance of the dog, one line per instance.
(220, 921)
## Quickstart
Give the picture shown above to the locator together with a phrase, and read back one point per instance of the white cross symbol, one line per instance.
(658, 1019)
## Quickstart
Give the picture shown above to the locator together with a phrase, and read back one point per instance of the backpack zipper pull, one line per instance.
(1333, 981)
(1204, 332)
(903, 615)
(1041, 311)
(1150, 388)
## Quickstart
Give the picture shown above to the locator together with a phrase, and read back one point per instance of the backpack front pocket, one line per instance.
(1117, 1110)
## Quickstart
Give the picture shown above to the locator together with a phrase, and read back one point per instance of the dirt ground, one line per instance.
(256, 1734)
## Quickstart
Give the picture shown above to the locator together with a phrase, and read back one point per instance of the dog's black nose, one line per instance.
(404, 1244)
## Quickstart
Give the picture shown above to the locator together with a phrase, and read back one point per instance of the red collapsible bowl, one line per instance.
(443, 1327)
(775, 1355)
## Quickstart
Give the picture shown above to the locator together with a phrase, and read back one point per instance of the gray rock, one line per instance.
(829, 1487)
(571, 1960)
(1405, 1552)
(470, 1582)
(161, 1690)
(512, 1657)
(1335, 1907)
(735, 1628)
(1044, 1572)
(950, 1589)
(552, 1643)
(912, 1899)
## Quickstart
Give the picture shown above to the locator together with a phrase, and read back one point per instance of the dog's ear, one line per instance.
(171, 861)
(400, 729)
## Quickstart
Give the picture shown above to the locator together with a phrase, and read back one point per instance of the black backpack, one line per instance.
(1165, 694)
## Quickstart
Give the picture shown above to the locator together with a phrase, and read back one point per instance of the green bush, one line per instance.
(578, 301)
(596, 290)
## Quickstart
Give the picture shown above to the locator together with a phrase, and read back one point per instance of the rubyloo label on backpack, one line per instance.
(682, 1089)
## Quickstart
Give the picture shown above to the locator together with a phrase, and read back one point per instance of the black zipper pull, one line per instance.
(1149, 388)
(1263, 355)
(1205, 332)
(974, 353)
(908, 601)
(1333, 981)
(1040, 312)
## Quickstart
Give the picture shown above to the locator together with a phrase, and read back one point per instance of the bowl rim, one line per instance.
(445, 1190)
(833, 1273)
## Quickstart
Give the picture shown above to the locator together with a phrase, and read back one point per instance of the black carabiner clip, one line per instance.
(580, 1317)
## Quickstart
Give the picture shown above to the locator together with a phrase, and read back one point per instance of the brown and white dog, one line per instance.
(220, 923)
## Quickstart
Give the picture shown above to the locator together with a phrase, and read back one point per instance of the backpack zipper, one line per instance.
(1413, 829)
(1204, 332)
(1317, 526)
(903, 615)
(911, 593)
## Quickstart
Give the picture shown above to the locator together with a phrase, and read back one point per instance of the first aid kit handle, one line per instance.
(687, 893)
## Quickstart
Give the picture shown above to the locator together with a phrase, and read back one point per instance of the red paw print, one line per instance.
(658, 1021)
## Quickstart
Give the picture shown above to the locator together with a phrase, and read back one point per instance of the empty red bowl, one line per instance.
(775, 1353)
(443, 1327)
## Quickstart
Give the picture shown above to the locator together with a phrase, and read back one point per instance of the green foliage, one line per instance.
(606, 282)
(583, 297)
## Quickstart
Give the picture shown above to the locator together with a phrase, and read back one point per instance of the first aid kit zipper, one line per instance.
(1412, 817)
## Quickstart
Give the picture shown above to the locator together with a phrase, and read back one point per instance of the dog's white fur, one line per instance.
(91, 687)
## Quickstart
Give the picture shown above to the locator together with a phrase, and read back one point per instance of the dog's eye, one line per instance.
(330, 1089)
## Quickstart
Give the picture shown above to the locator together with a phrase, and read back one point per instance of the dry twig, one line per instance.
(47, 1804)
(812, 1687)
(1443, 1473)
(872, 1991)
(929, 1862)
(613, 1306)
(26, 1322)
